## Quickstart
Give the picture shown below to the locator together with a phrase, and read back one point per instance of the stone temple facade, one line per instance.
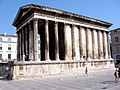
(49, 34)
(57, 41)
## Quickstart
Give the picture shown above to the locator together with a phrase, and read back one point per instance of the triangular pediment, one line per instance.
(21, 12)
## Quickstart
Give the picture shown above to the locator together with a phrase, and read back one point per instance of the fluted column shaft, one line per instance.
(23, 44)
(26, 40)
(68, 42)
(108, 41)
(75, 43)
(31, 45)
(87, 44)
(46, 41)
(35, 23)
(93, 44)
(82, 43)
(100, 44)
(56, 42)
(18, 45)
(105, 45)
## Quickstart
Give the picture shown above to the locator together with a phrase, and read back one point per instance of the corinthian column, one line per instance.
(88, 43)
(23, 44)
(26, 40)
(46, 41)
(93, 44)
(56, 42)
(100, 44)
(108, 41)
(82, 43)
(35, 23)
(18, 45)
(75, 43)
(105, 46)
(31, 39)
(68, 42)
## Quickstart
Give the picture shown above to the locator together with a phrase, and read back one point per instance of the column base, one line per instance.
(57, 57)
(82, 59)
(48, 60)
(76, 58)
(88, 59)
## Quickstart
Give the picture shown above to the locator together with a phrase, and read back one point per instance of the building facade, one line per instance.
(8, 47)
(115, 43)
(62, 35)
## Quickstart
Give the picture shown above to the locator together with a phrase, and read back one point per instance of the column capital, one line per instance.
(35, 19)
(65, 23)
(56, 24)
(46, 20)
(73, 26)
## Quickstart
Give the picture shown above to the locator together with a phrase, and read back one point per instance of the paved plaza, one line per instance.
(96, 80)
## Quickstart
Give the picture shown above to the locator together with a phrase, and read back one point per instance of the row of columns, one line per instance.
(80, 42)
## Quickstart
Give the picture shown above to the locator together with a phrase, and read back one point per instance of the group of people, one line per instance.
(117, 75)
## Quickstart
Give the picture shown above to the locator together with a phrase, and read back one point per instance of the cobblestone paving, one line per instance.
(96, 80)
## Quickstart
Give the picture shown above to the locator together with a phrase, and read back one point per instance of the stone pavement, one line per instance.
(96, 80)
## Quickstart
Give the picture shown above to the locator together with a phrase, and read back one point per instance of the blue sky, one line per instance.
(106, 10)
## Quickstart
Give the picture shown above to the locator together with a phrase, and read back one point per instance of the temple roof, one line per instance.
(27, 8)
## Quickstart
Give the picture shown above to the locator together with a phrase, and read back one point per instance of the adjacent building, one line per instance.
(115, 43)
(8, 47)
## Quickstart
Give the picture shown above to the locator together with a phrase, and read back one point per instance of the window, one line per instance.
(116, 39)
(0, 39)
(9, 39)
(0, 46)
(9, 56)
(0, 56)
(117, 50)
(9, 47)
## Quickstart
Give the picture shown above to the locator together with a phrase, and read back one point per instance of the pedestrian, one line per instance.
(116, 74)
(119, 72)
(86, 71)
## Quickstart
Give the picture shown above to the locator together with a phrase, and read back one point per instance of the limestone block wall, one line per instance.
(36, 69)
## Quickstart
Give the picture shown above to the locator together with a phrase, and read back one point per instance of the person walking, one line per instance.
(86, 71)
(116, 74)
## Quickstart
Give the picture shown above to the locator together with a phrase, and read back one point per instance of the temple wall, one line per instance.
(22, 70)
